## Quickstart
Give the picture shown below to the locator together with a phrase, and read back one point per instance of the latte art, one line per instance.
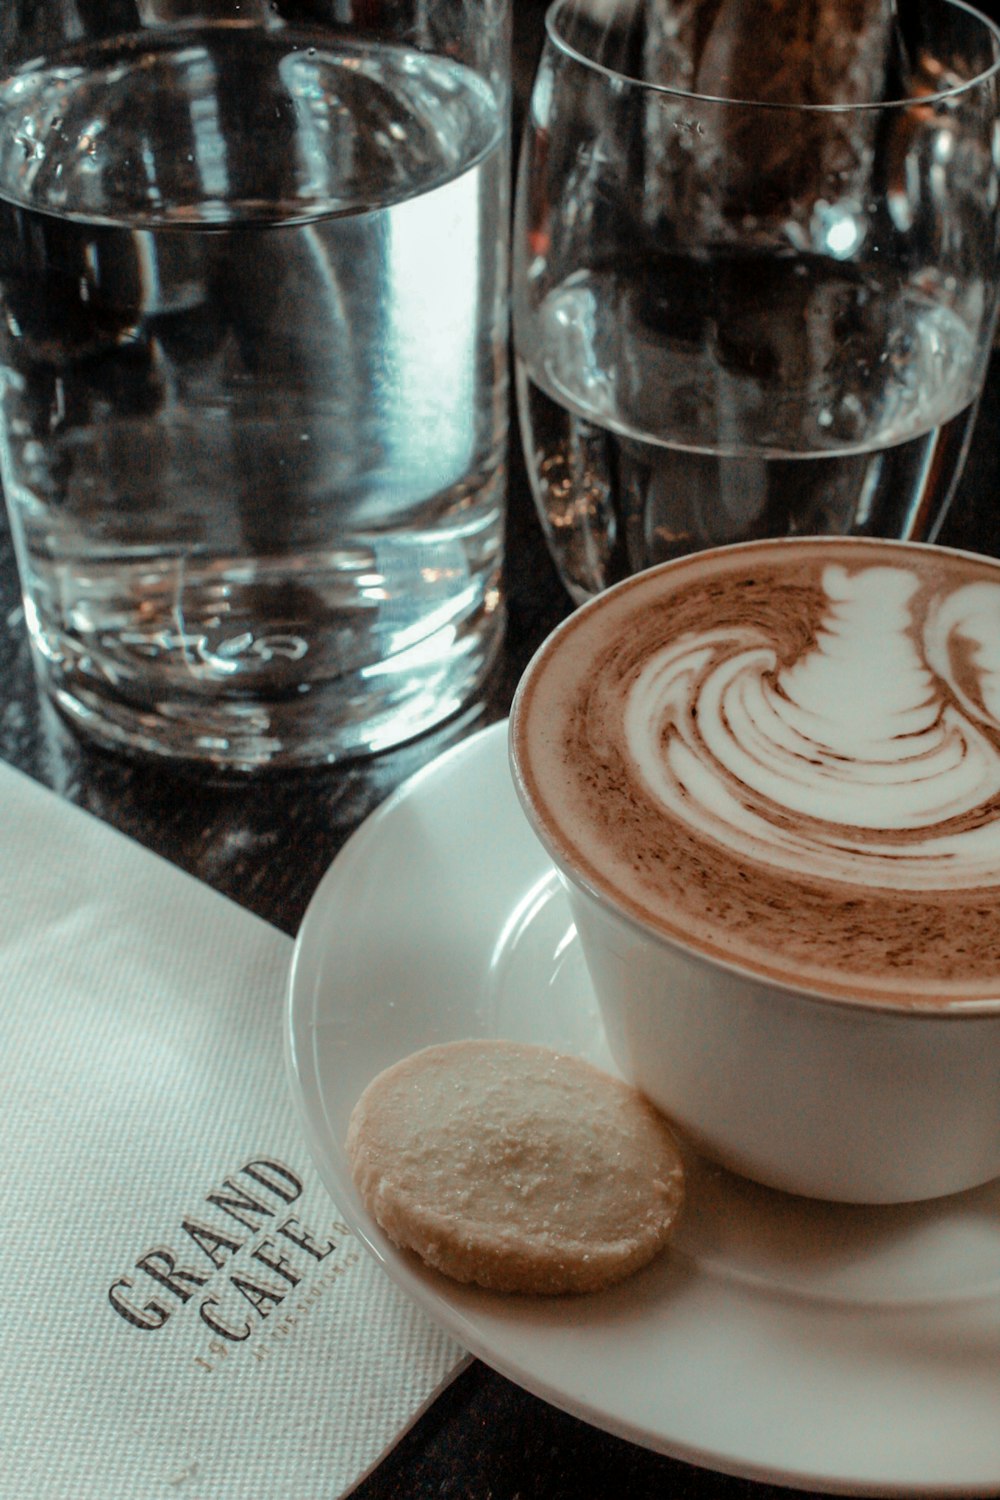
(811, 766)
(786, 755)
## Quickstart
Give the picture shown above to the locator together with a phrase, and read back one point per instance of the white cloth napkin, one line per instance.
(142, 1077)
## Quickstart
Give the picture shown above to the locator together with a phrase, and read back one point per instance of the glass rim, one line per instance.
(556, 9)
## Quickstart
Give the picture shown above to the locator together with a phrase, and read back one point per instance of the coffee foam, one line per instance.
(787, 755)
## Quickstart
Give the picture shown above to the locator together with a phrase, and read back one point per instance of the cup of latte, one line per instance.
(769, 775)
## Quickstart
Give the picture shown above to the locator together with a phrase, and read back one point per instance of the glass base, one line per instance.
(348, 717)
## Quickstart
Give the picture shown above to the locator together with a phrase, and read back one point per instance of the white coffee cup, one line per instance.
(810, 999)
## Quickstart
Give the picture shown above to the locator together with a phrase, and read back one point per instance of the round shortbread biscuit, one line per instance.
(515, 1167)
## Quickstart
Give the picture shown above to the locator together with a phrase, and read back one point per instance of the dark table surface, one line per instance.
(484, 1439)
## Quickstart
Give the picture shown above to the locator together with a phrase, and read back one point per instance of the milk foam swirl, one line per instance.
(865, 761)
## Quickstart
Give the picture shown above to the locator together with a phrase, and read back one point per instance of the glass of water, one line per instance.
(253, 300)
(755, 276)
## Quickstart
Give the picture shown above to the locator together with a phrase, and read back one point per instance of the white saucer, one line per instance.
(841, 1349)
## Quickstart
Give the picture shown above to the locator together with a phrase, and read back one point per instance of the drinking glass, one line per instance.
(253, 302)
(738, 314)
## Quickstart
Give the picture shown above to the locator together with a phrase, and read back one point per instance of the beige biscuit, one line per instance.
(515, 1167)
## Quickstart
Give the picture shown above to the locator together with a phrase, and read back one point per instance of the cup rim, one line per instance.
(962, 1008)
(560, 42)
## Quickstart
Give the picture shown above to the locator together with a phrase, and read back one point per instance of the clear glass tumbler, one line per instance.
(755, 275)
(253, 404)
